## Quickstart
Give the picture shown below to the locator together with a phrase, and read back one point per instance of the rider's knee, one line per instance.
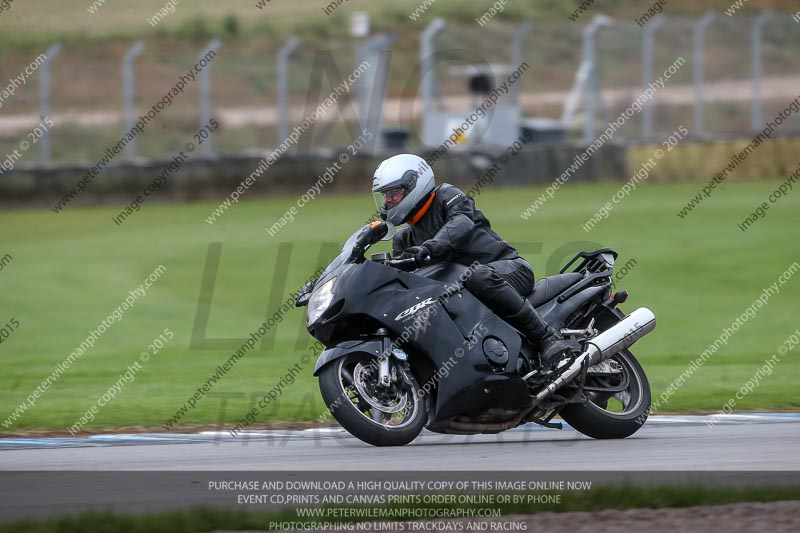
(483, 277)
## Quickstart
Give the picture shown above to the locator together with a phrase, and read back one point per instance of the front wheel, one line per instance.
(381, 415)
(617, 392)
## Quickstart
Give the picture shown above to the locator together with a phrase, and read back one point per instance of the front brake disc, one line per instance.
(360, 375)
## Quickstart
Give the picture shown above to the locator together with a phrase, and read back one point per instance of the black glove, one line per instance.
(420, 254)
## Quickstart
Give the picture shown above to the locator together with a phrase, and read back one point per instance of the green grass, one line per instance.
(214, 519)
(38, 21)
(69, 271)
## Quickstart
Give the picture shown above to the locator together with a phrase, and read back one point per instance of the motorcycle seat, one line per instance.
(548, 288)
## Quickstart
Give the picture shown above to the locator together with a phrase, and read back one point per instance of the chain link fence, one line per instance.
(714, 98)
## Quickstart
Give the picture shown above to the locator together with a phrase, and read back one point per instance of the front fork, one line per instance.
(388, 373)
(384, 373)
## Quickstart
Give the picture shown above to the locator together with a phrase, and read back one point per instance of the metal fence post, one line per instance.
(45, 152)
(758, 69)
(128, 89)
(426, 51)
(205, 96)
(592, 86)
(517, 55)
(647, 73)
(699, 33)
(371, 89)
(282, 67)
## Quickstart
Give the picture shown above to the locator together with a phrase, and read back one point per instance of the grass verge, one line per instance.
(71, 270)
(201, 519)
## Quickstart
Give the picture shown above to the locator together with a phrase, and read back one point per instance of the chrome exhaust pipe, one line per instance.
(621, 336)
(604, 346)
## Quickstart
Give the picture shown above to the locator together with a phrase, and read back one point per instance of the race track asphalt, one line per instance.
(145, 473)
(768, 442)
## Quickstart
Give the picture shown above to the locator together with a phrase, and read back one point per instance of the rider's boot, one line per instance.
(551, 343)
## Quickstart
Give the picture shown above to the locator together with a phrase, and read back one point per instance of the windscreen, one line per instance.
(347, 249)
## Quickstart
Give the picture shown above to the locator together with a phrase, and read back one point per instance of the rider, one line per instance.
(444, 225)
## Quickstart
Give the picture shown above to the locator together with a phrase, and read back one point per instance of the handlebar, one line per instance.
(399, 263)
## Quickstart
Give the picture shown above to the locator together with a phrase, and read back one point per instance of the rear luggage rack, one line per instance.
(596, 268)
(593, 261)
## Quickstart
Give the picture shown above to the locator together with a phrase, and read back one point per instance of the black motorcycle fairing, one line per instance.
(489, 400)
(556, 314)
(445, 272)
(468, 364)
(369, 296)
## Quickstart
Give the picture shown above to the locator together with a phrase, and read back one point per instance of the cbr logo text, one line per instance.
(413, 309)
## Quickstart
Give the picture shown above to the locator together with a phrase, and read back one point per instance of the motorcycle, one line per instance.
(413, 350)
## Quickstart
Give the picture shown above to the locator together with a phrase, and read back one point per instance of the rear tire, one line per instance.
(365, 422)
(593, 419)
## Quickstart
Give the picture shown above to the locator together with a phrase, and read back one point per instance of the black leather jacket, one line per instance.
(454, 231)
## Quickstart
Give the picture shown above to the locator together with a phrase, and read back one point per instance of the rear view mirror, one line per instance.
(391, 231)
(305, 294)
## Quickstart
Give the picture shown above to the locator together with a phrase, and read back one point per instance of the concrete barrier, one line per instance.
(215, 179)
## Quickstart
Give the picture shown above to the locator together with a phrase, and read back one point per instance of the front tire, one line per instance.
(617, 415)
(388, 416)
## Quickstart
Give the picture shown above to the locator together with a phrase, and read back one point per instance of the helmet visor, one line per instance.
(386, 200)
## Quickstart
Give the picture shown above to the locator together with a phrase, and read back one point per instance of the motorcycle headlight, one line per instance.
(319, 302)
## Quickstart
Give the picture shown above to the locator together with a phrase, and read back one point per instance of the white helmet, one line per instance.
(405, 171)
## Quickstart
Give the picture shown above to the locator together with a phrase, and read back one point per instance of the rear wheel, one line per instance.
(617, 392)
(390, 415)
